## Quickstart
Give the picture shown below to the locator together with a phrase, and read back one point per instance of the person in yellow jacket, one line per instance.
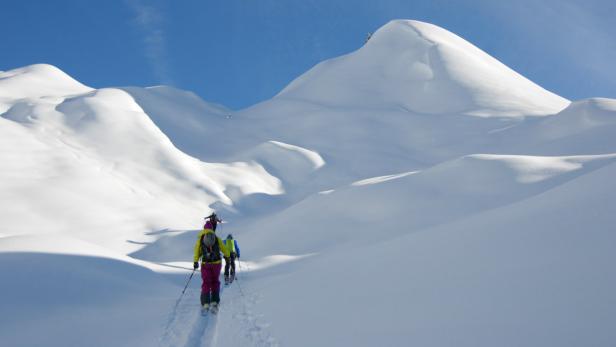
(208, 250)
(234, 252)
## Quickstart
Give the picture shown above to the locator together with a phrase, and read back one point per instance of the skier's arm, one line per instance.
(198, 248)
(237, 248)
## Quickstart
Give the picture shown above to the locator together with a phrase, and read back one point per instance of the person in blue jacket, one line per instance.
(234, 252)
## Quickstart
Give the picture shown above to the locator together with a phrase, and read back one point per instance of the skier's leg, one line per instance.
(205, 287)
(227, 263)
(233, 265)
(216, 282)
(227, 266)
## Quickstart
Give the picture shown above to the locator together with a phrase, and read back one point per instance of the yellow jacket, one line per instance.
(199, 251)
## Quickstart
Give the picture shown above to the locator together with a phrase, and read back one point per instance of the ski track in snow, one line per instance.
(184, 314)
(249, 323)
(186, 327)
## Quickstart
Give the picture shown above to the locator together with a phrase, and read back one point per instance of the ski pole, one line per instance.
(177, 303)
(189, 278)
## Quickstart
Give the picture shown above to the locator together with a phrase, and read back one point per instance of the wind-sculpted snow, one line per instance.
(96, 163)
(69, 296)
(586, 126)
(292, 164)
(195, 127)
(413, 187)
(413, 202)
(40, 80)
(425, 69)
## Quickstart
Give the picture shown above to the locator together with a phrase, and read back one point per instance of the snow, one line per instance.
(417, 66)
(100, 150)
(413, 192)
(313, 157)
(376, 180)
(40, 80)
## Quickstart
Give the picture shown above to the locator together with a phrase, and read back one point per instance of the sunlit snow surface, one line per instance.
(413, 192)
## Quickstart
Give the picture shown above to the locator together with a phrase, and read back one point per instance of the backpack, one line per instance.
(210, 248)
(230, 243)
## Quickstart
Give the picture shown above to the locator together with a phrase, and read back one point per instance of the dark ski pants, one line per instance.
(230, 263)
(210, 288)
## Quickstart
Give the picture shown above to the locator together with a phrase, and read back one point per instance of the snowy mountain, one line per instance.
(422, 68)
(414, 192)
(94, 160)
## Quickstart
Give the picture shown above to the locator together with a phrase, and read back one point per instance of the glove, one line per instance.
(196, 265)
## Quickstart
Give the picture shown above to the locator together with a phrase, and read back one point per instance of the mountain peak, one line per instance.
(425, 69)
(38, 80)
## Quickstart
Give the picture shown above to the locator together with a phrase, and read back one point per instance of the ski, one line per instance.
(214, 308)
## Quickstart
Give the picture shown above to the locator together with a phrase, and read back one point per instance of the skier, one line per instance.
(213, 218)
(208, 249)
(234, 252)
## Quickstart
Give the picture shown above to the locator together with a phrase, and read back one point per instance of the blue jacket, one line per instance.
(234, 248)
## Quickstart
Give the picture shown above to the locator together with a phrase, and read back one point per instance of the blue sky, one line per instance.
(240, 52)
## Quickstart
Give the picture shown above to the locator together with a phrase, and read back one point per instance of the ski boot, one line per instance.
(205, 308)
(214, 308)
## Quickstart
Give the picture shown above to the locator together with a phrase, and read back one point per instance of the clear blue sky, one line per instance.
(240, 52)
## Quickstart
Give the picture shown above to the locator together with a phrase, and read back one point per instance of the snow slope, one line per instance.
(424, 69)
(413, 192)
(586, 126)
(64, 292)
(87, 177)
(96, 163)
(407, 100)
(534, 273)
(40, 80)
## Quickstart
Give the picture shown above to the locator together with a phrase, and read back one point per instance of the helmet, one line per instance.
(229, 236)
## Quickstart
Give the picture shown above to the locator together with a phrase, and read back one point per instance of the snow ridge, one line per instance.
(417, 66)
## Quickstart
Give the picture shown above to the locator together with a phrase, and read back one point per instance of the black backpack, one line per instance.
(210, 248)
